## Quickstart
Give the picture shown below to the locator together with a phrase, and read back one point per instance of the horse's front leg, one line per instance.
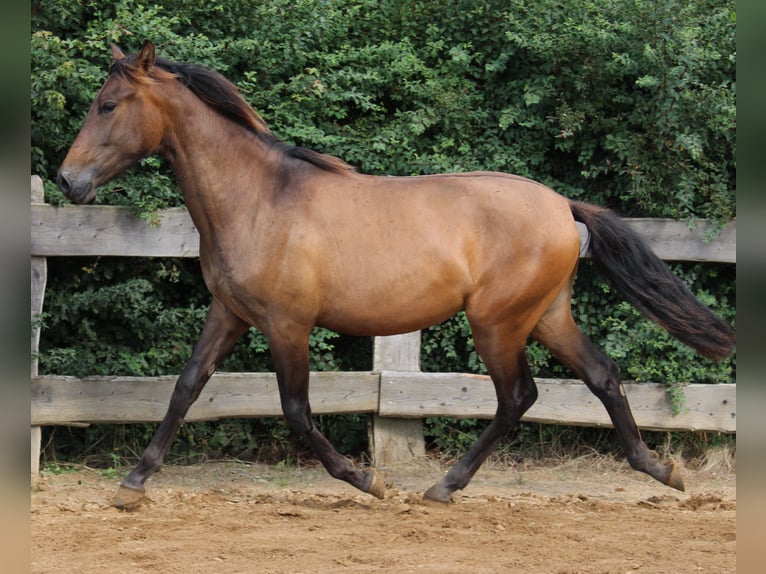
(222, 330)
(291, 361)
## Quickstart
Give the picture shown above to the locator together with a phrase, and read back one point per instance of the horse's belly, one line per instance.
(390, 307)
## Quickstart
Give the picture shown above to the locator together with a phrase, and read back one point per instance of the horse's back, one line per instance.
(485, 217)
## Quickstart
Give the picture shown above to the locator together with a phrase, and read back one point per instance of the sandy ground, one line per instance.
(587, 515)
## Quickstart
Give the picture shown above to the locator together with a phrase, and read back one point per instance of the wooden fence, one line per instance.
(395, 392)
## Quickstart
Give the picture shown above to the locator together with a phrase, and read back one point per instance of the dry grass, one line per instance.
(719, 459)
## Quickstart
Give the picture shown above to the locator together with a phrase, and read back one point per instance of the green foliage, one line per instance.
(628, 104)
(452, 437)
(108, 317)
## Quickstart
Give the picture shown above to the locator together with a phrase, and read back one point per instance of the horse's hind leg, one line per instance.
(222, 330)
(516, 392)
(290, 352)
(558, 331)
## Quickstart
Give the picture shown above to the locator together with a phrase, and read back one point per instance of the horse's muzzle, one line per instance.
(78, 190)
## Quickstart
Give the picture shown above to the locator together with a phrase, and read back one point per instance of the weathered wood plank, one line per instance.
(35, 444)
(397, 352)
(37, 189)
(39, 276)
(58, 400)
(394, 440)
(419, 395)
(113, 231)
(117, 231)
(673, 240)
(38, 280)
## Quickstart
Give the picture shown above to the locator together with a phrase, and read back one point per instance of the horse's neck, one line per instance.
(219, 166)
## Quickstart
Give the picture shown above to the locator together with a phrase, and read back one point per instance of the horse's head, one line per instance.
(124, 124)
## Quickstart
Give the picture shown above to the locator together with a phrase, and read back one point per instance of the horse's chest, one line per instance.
(257, 284)
(229, 278)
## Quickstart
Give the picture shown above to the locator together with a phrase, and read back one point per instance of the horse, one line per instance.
(291, 238)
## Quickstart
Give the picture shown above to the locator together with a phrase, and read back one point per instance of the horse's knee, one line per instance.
(184, 394)
(190, 383)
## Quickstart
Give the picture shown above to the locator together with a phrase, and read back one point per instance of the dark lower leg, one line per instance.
(218, 337)
(186, 390)
(298, 415)
(341, 468)
(640, 457)
(513, 402)
(602, 377)
(463, 470)
(188, 387)
(293, 377)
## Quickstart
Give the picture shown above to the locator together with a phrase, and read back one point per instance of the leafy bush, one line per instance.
(628, 104)
(621, 103)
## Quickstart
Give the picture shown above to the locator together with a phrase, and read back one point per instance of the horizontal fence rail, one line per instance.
(56, 400)
(560, 401)
(396, 393)
(71, 230)
(67, 400)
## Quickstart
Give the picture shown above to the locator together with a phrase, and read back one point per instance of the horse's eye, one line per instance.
(107, 107)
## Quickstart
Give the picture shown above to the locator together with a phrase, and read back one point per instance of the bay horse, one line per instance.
(291, 238)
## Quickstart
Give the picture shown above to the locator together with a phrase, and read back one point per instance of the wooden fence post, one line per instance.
(394, 440)
(39, 277)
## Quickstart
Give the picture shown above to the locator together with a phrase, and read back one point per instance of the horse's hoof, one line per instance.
(675, 480)
(377, 485)
(128, 498)
(437, 493)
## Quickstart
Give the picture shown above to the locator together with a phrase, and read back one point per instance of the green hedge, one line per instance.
(628, 104)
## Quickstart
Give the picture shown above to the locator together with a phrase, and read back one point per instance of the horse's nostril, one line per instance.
(64, 184)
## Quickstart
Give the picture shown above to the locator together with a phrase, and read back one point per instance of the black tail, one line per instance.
(645, 281)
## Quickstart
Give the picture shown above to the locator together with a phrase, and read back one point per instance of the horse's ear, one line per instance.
(145, 59)
(117, 53)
